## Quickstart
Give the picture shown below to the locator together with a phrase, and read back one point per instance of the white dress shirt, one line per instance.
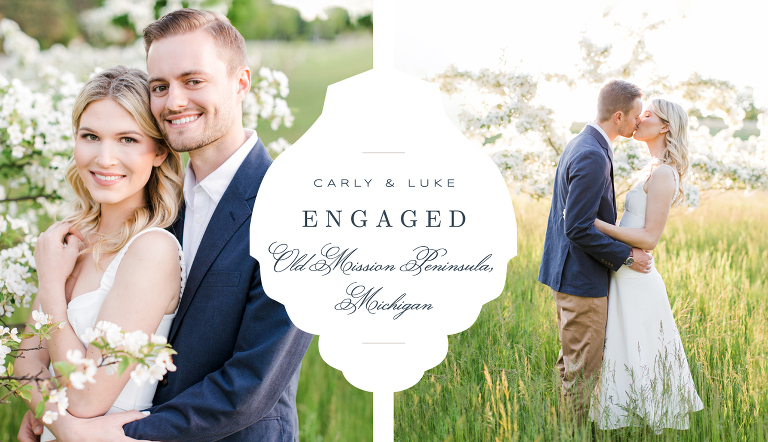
(600, 129)
(202, 198)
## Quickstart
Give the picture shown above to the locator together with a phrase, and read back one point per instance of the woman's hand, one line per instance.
(56, 254)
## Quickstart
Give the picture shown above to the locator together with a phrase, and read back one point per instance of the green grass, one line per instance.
(498, 382)
(330, 409)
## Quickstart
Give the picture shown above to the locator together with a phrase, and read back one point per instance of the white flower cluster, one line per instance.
(16, 284)
(504, 115)
(36, 136)
(58, 397)
(267, 100)
(151, 352)
(16, 43)
(42, 319)
(87, 374)
(8, 336)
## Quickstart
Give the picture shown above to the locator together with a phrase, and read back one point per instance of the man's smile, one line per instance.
(182, 119)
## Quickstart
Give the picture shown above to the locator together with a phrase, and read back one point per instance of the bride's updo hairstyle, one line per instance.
(162, 193)
(676, 147)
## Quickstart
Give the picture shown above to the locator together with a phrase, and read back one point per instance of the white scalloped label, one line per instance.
(383, 230)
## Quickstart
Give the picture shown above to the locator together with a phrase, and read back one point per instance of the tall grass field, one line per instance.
(498, 382)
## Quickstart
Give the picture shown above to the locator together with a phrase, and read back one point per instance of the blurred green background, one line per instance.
(56, 21)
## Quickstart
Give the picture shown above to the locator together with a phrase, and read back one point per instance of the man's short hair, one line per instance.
(616, 95)
(183, 21)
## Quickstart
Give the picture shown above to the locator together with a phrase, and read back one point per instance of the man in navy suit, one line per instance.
(578, 258)
(239, 355)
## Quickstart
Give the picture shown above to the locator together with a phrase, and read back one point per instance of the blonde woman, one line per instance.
(645, 376)
(111, 258)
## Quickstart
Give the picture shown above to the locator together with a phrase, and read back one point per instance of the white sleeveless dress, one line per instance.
(83, 311)
(645, 378)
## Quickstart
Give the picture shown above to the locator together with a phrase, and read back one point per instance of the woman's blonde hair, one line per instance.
(162, 193)
(676, 147)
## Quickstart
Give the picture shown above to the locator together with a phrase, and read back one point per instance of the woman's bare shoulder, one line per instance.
(154, 252)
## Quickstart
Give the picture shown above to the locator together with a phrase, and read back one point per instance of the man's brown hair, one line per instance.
(616, 95)
(183, 21)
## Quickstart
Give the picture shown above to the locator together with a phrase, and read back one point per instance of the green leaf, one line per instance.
(10, 369)
(124, 363)
(23, 392)
(64, 367)
(26, 335)
(40, 409)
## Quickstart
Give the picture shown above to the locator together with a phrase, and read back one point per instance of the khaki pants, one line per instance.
(581, 324)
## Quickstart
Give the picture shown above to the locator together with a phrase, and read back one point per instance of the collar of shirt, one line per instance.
(600, 129)
(217, 182)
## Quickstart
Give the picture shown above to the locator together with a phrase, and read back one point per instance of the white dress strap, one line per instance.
(106, 281)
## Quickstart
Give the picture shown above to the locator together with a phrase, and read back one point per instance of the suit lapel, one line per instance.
(604, 144)
(231, 212)
(613, 185)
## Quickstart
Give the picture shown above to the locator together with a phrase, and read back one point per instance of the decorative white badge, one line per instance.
(383, 230)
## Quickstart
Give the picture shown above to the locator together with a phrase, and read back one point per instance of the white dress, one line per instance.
(645, 378)
(83, 310)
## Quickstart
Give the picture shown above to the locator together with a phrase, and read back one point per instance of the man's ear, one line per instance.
(243, 77)
(617, 117)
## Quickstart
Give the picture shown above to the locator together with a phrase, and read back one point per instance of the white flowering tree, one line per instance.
(504, 114)
(37, 92)
(118, 21)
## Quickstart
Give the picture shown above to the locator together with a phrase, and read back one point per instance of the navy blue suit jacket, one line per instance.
(239, 355)
(577, 257)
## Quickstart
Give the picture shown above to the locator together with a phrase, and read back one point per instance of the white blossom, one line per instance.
(90, 335)
(79, 378)
(49, 417)
(158, 339)
(163, 360)
(4, 351)
(133, 342)
(75, 356)
(59, 397)
(40, 318)
(14, 335)
(141, 374)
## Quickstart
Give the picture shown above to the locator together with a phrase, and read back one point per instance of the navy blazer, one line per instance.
(239, 355)
(577, 257)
